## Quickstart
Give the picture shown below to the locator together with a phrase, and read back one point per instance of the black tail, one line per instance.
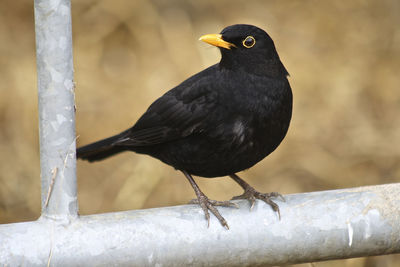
(101, 149)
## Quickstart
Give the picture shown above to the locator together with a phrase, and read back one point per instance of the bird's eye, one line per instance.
(249, 42)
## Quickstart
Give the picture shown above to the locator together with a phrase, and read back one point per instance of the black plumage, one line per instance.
(220, 121)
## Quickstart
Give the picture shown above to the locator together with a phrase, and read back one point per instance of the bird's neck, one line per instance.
(266, 67)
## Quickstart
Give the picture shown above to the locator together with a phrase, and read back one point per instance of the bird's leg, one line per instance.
(208, 204)
(251, 194)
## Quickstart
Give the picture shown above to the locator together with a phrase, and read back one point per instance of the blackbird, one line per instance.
(218, 122)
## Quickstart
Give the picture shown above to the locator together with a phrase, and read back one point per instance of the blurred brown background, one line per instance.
(344, 61)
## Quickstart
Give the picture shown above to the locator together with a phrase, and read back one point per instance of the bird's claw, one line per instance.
(251, 194)
(216, 203)
(209, 205)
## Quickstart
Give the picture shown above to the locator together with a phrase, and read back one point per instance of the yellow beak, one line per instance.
(216, 40)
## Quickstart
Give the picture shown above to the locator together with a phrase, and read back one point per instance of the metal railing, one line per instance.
(315, 226)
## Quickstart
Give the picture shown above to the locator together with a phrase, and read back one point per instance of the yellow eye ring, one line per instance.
(249, 42)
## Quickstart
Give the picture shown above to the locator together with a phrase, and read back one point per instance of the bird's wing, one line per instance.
(177, 114)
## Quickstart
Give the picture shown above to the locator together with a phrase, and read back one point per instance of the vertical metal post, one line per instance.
(56, 108)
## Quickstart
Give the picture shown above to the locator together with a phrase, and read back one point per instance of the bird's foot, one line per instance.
(209, 205)
(251, 194)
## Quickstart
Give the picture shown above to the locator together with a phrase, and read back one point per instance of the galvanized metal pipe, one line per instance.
(56, 108)
(314, 226)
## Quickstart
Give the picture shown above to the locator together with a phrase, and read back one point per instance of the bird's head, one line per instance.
(247, 47)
